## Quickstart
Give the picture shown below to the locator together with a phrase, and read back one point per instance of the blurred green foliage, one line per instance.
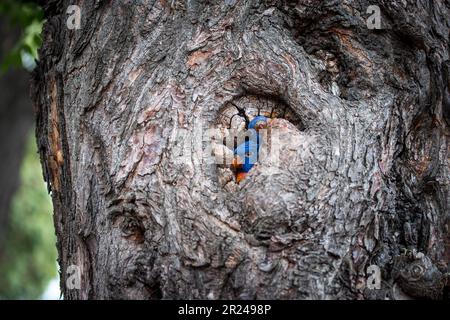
(29, 260)
(29, 17)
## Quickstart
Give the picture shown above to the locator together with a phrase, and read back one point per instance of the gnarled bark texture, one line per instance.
(363, 173)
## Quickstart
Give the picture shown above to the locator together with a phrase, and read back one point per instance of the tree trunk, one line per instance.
(361, 179)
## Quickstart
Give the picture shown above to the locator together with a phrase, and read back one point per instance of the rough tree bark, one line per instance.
(364, 182)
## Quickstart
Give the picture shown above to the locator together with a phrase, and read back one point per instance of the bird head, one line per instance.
(258, 122)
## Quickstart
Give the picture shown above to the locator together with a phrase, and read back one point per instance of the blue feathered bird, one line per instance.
(246, 154)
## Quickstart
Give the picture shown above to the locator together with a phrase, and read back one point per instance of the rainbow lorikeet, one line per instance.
(246, 154)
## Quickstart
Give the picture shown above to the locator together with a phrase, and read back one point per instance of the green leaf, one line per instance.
(29, 17)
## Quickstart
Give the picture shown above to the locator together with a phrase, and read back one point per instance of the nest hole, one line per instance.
(233, 124)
